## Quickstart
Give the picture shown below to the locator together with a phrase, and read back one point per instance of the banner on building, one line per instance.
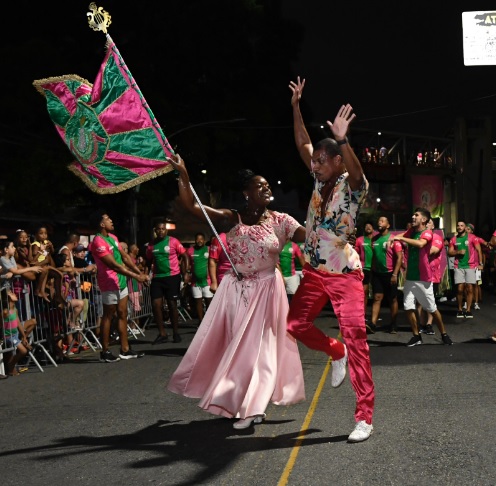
(427, 193)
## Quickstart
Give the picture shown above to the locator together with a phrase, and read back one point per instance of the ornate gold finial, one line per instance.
(98, 19)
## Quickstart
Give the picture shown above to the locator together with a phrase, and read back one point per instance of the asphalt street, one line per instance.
(87, 422)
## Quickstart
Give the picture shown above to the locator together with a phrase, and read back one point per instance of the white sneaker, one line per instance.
(245, 423)
(361, 432)
(476, 306)
(339, 369)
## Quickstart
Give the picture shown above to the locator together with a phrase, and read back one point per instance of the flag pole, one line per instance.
(238, 275)
(99, 20)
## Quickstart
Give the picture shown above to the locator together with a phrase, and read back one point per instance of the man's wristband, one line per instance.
(342, 142)
(393, 275)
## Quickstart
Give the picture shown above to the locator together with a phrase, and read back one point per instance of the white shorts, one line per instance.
(478, 276)
(199, 292)
(422, 292)
(292, 284)
(465, 275)
(113, 297)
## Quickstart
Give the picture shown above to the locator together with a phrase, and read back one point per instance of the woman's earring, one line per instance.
(246, 197)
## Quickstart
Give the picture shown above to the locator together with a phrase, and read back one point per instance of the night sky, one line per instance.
(400, 65)
(391, 61)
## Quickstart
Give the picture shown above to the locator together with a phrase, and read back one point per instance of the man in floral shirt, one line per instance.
(333, 269)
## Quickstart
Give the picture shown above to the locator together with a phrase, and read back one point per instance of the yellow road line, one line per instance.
(296, 449)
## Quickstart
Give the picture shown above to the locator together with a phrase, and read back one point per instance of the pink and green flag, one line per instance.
(109, 128)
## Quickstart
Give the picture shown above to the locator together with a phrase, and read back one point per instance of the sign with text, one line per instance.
(479, 38)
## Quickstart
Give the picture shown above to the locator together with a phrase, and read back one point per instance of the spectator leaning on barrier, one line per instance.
(9, 265)
(16, 335)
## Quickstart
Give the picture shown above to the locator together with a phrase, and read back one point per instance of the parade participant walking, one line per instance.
(466, 249)
(241, 357)
(200, 285)
(386, 265)
(333, 270)
(168, 259)
(113, 266)
(290, 254)
(492, 242)
(477, 288)
(363, 247)
(435, 252)
(419, 278)
(218, 263)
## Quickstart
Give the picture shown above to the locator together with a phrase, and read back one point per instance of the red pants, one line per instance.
(345, 291)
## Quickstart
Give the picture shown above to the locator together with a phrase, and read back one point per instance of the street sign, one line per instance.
(479, 38)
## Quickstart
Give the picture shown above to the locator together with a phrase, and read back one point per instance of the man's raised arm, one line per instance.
(302, 139)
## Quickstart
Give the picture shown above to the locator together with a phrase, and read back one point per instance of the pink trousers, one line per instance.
(345, 292)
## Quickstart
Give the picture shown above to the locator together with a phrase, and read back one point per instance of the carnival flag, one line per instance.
(427, 192)
(108, 127)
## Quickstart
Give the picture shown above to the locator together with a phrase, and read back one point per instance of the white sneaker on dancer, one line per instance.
(339, 369)
(361, 432)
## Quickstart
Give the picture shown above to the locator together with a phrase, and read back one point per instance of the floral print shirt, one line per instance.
(326, 246)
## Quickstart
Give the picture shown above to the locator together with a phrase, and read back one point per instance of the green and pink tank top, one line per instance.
(419, 268)
(384, 249)
(289, 254)
(165, 256)
(108, 280)
(199, 264)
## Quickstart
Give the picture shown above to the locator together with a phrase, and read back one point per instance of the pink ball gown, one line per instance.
(241, 357)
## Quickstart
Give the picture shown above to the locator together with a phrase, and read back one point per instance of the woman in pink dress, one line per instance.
(241, 357)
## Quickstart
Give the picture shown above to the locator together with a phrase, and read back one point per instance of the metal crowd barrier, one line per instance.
(55, 323)
(29, 307)
(3, 345)
(140, 312)
(139, 308)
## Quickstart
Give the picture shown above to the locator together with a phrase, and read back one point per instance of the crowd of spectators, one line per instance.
(42, 282)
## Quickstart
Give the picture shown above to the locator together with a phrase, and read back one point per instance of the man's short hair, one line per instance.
(329, 145)
(96, 217)
(424, 212)
(159, 220)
